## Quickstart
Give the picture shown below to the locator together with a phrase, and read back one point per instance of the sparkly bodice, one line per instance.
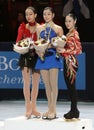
(48, 33)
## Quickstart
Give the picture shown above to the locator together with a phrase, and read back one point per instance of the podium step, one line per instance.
(21, 123)
(1, 125)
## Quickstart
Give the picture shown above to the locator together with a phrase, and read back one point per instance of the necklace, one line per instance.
(47, 31)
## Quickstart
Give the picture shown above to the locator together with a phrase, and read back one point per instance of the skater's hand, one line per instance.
(60, 50)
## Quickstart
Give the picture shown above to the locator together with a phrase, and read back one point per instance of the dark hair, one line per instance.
(72, 16)
(32, 8)
(49, 8)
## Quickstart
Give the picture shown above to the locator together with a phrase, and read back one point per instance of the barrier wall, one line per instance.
(85, 84)
(11, 78)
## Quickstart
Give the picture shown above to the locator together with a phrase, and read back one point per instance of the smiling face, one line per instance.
(30, 15)
(48, 15)
(70, 22)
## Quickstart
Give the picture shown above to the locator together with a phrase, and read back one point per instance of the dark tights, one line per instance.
(71, 90)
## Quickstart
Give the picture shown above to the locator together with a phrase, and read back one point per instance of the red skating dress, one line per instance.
(29, 59)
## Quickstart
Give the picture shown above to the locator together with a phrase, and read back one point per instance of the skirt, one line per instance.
(28, 60)
(50, 61)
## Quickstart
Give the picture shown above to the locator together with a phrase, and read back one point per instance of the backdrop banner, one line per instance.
(11, 76)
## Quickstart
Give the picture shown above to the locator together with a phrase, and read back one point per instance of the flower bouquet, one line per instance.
(59, 42)
(40, 46)
(23, 46)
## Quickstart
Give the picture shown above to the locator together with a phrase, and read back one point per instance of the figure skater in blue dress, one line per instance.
(50, 66)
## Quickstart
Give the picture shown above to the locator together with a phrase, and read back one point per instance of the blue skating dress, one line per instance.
(50, 60)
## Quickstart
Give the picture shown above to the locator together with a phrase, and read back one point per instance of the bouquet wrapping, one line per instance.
(23, 46)
(40, 46)
(59, 41)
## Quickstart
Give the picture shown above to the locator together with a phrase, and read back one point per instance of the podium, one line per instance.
(1, 125)
(21, 123)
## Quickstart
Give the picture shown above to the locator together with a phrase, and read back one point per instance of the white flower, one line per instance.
(59, 41)
(63, 37)
(22, 46)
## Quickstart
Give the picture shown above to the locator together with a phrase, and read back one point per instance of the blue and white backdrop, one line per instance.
(11, 77)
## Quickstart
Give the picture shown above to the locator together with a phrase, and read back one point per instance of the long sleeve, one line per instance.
(73, 46)
(20, 32)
